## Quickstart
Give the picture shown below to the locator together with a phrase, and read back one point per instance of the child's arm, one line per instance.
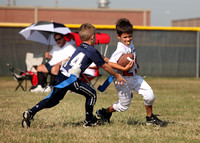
(47, 55)
(118, 67)
(118, 77)
(105, 59)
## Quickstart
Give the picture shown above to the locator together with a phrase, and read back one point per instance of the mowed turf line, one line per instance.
(177, 103)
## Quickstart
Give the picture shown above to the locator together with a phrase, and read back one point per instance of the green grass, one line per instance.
(177, 103)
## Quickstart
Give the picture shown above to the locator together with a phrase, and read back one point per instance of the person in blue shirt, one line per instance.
(68, 78)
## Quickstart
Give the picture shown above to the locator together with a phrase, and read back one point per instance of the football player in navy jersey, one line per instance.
(68, 78)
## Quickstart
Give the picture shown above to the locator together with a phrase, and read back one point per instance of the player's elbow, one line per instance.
(105, 66)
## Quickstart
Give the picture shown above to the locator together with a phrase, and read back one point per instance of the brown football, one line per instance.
(123, 61)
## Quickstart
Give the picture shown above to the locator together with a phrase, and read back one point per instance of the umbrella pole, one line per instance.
(49, 43)
(48, 48)
(46, 60)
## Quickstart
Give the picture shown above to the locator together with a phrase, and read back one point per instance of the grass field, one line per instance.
(177, 103)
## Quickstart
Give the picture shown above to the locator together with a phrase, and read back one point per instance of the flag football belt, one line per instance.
(64, 84)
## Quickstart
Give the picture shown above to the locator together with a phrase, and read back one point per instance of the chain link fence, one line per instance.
(167, 53)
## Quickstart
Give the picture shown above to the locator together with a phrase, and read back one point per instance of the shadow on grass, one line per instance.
(76, 124)
(129, 122)
(132, 121)
(63, 124)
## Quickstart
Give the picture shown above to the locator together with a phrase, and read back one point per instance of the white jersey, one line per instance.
(123, 49)
(90, 71)
(135, 82)
(61, 53)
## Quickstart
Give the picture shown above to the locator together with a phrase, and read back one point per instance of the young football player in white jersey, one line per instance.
(134, 82)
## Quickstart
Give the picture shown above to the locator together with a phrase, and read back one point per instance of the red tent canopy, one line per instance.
(101, 38)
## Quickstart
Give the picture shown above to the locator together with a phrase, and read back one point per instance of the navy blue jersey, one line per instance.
(82, 58)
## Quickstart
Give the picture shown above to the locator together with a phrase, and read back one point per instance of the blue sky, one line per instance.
(162, 12)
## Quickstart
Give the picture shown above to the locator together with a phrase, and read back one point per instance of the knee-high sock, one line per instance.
(89, 111)
(42, 80)
(52, 79)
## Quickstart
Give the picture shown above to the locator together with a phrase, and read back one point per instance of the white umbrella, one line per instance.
(43, 32)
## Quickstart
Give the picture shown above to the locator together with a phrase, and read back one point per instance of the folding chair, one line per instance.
(32, 61)
(29, 74)
(20, 77)
(90, 74)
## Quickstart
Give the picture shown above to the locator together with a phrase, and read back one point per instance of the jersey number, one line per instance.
(76, 61)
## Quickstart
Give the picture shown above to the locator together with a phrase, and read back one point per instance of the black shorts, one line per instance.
(47, 65)
(78, 86)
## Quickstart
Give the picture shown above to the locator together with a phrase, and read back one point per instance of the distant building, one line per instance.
(192, 22)
(97, 16)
